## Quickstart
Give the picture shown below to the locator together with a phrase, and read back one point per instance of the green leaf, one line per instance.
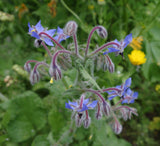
(41, 140)
(24, 117)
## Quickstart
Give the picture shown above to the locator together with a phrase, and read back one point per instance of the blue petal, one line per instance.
(111, 92)
(128, 83)
(30, 28)
(125, 101)
(56, 37)
(39, 27)
(84, 108)
(132, 101)
(51, 32)
(34, 34)
(110, 50)
(86, 101)
(93, 104)
(73, 103)
(111, 97)
(128, 38)
(135, 95)
(48, 42)
(129, 91)
(68, 106)
(59, 30)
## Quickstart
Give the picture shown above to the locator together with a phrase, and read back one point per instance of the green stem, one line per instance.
(64, 4)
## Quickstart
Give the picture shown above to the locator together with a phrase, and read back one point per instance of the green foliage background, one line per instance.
(36, 115)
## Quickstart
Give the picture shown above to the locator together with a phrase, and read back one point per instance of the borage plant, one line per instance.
(80, 59)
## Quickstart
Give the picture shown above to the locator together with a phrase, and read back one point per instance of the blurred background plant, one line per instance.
(49, 124)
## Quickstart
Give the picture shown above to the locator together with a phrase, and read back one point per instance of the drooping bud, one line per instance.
(98, 114)
(79, 119)
(106, 108)
(132, 111)
(34, 77)
(55, 72)
(27, 67)
(87, 122)
(116, 126)
(102, 32)
(70, 28)
(37, 43)
(124, 113)
(109, 64)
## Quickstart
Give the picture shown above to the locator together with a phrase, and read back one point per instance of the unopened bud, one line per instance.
(27, 67)
(70, 28)
(116, 126)
(124, 113)
(132, 111)
(109, 64)
(87, 122)
(78, 119)
(37, 43)
(106, 109)
(98, 115)
(102, 32)
(34, 77)
(55, 72)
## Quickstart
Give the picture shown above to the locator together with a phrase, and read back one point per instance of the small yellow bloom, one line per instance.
(90, 7)
(157, 88)
(137, 57)
(51, 81)
(70, 86)
(136, 43)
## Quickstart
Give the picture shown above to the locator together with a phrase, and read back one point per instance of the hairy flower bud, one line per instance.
(27, 67)
(124, 113)
(78, 119)
(70, 28)
(102, 32)
(109, 64)
(106, 109)
(132, 111)
(116, 126)
(37, 43)
(87, 122)
(55, 72)
(34, 77)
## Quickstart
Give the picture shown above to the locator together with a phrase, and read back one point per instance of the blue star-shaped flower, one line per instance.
(123, 44)
(121, 90)
(60, 35)
(129, 96)
(81, 106)
(34, 31)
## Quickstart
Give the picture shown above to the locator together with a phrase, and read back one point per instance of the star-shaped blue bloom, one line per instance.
(34, 31)
(80, 107)
(123, 44)
(60, 35)
(129, 96)
(121, 90)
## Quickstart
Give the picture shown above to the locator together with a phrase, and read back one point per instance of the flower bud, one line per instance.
(102, 32)
(55, 72)
(37, 43)
(132, 111)
(70, 28)
(98, 115)
(34, 77)
(78, 119)
(109, 64)
(87, 122)
(124, 113)
(106, 109)
(27, 67)
(116, 126)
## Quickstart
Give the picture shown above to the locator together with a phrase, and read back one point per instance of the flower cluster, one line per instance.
(82, 60)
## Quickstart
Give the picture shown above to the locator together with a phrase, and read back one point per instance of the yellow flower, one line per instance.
(157, 88)
(136, 42)
(137, 57)
(90, 7)
(51, 81)
(52, 6)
